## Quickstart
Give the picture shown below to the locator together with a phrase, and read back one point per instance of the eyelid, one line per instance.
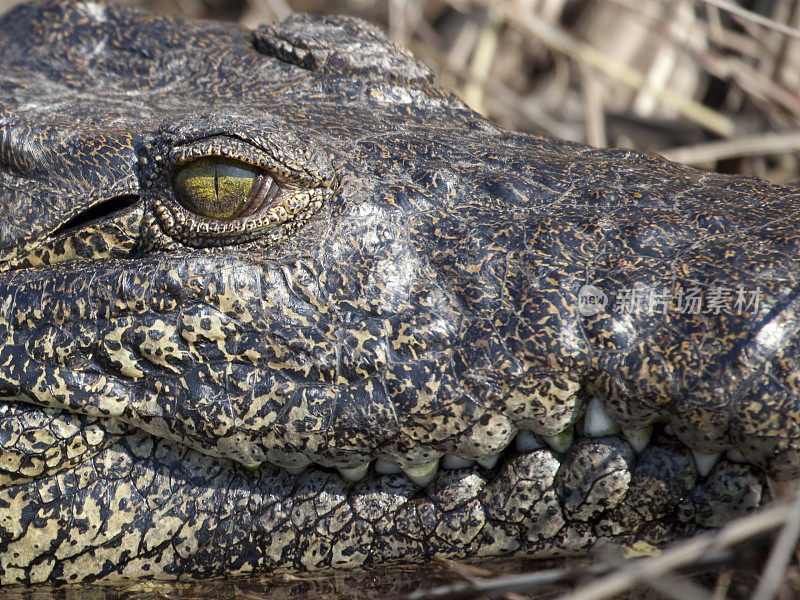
(230, 149)
(289, 173)
(269, 209)
(301, 179)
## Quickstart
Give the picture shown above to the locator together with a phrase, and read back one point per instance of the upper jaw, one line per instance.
(286, 362)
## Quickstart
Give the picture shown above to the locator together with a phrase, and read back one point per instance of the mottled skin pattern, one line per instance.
(181, 395)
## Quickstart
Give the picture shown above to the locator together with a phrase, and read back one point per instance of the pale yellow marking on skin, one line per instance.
(82, 306)
(6, 308)
(479, 443)
(463, 524)
(252, 356)
(377, 354)
(342, 550)
(64, 429)
(54, 457)
(315, 553)
(280, 540)
(166, 528)
(254, 418)
(45, 391)
(10, 461)
(290, 363)
(46, 344)
(300, 414)
(128, 362)
(12, 429)
(36, 540)
(192, 330)
(83, 474)
(233, 302)
(108, 401)
(242, 449)
(100, 531)
(547, 408)
(408, 342)
(76, 449)
(41, 571)
(45, 437)
(298, 318)
(158, 350)
(150, 404)
(94, 434)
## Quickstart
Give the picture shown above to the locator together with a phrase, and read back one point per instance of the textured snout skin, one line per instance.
(442, 339)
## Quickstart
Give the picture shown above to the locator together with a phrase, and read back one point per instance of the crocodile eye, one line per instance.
(222, 188)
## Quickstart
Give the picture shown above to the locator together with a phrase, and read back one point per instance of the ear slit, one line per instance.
(103, 209)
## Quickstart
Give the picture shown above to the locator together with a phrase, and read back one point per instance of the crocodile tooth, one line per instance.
(384, 467)
(488, 462)
(705, 462)
(596, 421)
(253, 466)
(638, 438)
(560, 442)
(294, 467)
(354, 473)
(422, 474)
(735, 455)
(526, 441)
(451, 461)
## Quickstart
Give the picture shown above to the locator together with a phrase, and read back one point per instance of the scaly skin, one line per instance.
(179, 392)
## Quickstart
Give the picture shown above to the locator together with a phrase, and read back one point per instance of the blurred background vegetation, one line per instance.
(714, 83)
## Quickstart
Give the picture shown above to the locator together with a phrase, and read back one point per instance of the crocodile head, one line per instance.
(272, 300)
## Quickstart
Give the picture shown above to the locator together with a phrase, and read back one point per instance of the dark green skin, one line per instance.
(423, 301)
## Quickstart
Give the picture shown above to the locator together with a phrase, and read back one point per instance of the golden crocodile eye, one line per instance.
(216, 187)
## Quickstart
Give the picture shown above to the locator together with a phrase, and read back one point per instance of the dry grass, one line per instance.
(664, 574)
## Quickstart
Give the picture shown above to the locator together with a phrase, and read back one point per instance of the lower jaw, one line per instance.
(148, 508)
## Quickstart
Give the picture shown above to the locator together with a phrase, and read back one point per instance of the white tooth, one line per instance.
(735, 455)
(638, 438)
(384, 467)
(526, 441)
(423, 474)
(596, 422)
(668, 429)
(560, 442)
(294, 467)
(488, 462)
(705, 462)
(354, 473)
(450, 461)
